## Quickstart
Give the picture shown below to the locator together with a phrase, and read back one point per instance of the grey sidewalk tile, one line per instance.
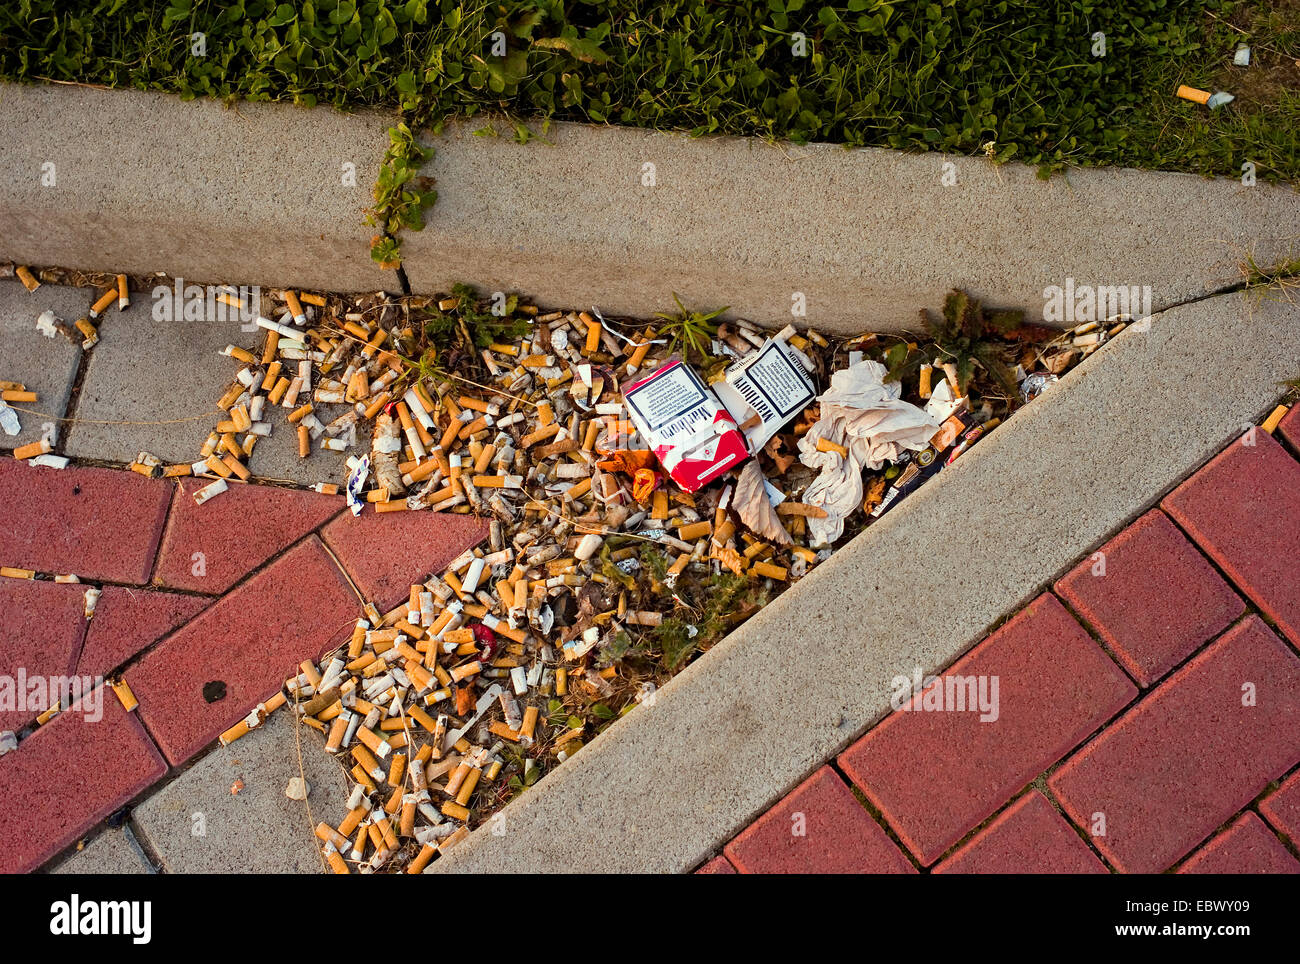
(196, 825)
(112, 852)
(47, 366)
(725, 739)
(147, 371)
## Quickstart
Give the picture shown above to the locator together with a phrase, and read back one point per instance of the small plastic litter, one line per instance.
(1242, 55)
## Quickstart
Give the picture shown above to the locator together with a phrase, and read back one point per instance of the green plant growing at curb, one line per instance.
(401, 194)
(690, 331)
(968, 336)
(726, 599)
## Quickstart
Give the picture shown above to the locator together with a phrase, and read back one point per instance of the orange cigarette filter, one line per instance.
(106, 299)
(32, 450)
(1193, 94)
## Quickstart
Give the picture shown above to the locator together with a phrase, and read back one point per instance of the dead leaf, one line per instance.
(755, 510)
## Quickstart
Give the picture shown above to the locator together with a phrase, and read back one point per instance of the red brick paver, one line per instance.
(1242, 510)
(385, 552)
(40, 636)
(234, 534)
(68, 776)
(937, 775)
(128, 620)
(1029, 837)
(1157, 599)
(718, 865)
(1191, 754)
(1282, 808)
(1290, 426)
(820, 828)
(97, 523)
(295, 609)
(1246, 847)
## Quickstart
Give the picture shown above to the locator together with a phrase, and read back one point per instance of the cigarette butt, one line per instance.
(561, 681)
(927, 371)
(1274, 419)
(14, 573)
(643, 349)
(335, 859)
(467, 787)
(304, 441)
(17, 395)
(1193, 94)
(680, 564)
(295, 308)
(329, 835)
(397, 770)
(88, 332)
(209, 490)
(106, 299)
(455, 810)
(826, 445)
(32, 450)
(768, 570)
(593, 333)
(27, 278)
(422, 859)
(801, 509)
(123, 294)
(124, 694)
(695, 530)
(531, 715)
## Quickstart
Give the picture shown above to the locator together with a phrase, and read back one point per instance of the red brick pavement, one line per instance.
(1195, 768)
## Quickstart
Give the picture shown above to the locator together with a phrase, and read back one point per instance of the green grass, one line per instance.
(1011, 79)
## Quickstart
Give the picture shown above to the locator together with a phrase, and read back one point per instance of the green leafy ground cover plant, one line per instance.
(1010, 79)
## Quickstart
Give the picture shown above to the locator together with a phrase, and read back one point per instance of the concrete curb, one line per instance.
(253, 195)
(148, 182)
(668, 784)
(867, 236)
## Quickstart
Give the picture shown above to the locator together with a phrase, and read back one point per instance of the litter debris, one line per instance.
(639, 506)
(298, 789)
(1204, 97)
(1242, 55)
(236, 787)
(687, 429)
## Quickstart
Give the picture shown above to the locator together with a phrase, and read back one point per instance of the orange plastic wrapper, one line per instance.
(644, 482)
(629, 461)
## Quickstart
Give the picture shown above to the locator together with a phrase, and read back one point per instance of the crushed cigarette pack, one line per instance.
(765, 390)
(686, 427)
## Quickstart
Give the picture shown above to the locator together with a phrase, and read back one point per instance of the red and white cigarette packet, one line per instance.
(685, 425)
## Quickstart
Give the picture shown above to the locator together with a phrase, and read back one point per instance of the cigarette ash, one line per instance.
(623, 541)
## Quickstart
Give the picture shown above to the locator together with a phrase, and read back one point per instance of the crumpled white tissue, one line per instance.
(867, 416)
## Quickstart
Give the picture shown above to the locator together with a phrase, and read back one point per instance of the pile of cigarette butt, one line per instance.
(641, 503)
(600, 558)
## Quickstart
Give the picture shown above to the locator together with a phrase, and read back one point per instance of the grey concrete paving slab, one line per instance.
(276, 456)
(144, 374)
(746, 722)
(47, 366)
(868, 237)
(143, 182)
(196, 825)
(112, 852)
(147, 379)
